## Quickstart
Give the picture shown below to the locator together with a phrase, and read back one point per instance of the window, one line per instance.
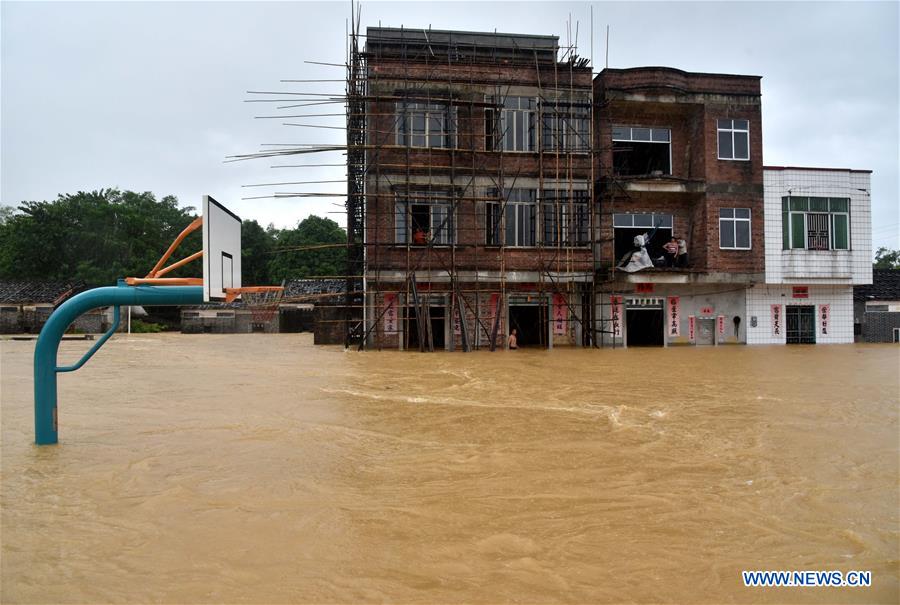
(734, 139)
(641, 151)
(514, 131)
(734, 228)
(520, 217)
(627, 226)
(565, 125)
(426, 124)
(423, 218)
(566, 218)
(815, 223)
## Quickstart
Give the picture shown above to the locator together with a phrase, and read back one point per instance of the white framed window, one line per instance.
(734, 229)
(519, 214)
(734, 139)
(566, 218)
(566, 124)
(815, 223)
(426, 125)
(640, 150)
(643, 221)
(424, 217)
(515, 128)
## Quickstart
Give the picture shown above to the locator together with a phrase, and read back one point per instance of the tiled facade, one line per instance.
(820, 277)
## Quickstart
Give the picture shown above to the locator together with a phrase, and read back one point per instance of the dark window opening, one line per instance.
(631, 158)
(420, 217)
(624, 241)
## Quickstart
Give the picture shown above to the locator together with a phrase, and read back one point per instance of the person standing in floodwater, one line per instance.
(512, 342)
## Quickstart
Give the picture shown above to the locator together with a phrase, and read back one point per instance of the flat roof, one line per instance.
(675, 69)
(816, 168)
(447, 36)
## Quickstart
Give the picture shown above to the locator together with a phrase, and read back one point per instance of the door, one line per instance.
(800, 321)
(706, 331)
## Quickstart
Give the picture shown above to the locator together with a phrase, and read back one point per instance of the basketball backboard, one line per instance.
(221, 250)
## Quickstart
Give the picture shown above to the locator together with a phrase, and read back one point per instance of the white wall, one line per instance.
(849, 267)
(761, 298)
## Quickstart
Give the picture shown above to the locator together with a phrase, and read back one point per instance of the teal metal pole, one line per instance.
(117, 316)
(45, 368)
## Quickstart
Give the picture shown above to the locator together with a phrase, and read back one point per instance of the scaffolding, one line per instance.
(468, 171)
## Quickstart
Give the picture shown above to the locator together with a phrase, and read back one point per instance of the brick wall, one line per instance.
(880, 326)
(689, 105)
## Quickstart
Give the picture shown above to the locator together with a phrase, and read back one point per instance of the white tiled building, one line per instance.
(818, 234)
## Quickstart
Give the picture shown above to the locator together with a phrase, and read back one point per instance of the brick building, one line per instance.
(25, 306)
(678, 155)
(478, 190)
(504, 187)
(876, 307)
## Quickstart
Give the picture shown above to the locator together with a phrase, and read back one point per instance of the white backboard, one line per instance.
(221, 250)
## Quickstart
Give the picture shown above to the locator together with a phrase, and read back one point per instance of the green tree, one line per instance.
(313, 248)
(256, 254)
(886, 259)
(96, 236)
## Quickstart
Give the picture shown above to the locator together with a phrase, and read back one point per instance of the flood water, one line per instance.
(262, 469)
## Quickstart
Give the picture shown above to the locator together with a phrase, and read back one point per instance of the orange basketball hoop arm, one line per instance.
(155, 277)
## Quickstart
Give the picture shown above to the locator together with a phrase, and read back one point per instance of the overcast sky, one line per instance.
(151, 96)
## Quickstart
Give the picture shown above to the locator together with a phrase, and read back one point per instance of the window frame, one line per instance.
(562, 208)
(406, 200)
(408, 109)
(557, 117)
(631, 139)
(502, 225)
(734, 219)
(733, 131)
(500, 114)
(787, 222)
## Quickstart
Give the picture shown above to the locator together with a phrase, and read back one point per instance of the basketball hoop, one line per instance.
(262, 301)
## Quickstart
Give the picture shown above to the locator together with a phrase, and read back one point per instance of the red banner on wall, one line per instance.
(390, 312)
(615, 315)
(777, 327)
(673, 316)
(824, 317)
(720, 322)
(692, 328)
(560, 314)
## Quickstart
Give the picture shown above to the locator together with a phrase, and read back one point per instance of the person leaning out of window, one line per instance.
(682, 259)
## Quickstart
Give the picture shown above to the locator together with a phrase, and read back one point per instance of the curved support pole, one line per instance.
(47, 347)
(97, 345)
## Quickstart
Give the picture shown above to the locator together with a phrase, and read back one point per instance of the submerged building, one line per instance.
(499, 186)
(478, 190)
(679, 159)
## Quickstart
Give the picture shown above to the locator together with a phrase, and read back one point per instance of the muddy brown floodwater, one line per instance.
(262, 469)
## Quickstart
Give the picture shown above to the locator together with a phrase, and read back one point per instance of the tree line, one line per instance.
(100, 236)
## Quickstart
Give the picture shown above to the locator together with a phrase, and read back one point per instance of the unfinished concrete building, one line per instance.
(477, 190)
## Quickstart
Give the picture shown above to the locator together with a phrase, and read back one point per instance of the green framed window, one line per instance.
(815, 223)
